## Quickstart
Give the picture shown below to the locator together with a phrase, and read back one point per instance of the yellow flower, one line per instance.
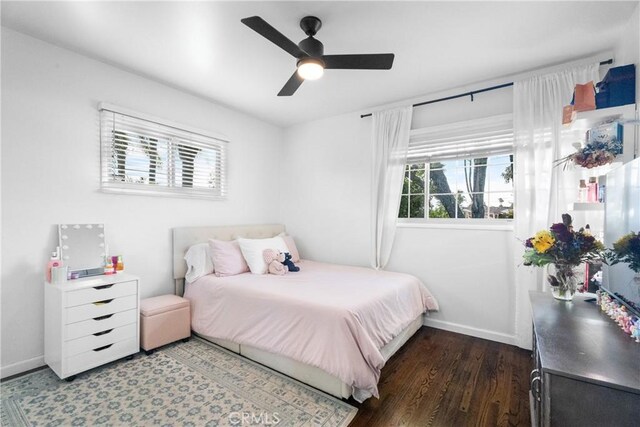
(542, 241)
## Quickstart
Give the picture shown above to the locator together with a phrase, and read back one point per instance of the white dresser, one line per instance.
(91, 321)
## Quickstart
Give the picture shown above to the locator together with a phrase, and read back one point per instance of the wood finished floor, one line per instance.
(440, 378)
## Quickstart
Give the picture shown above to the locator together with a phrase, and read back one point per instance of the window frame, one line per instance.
(460, 222)
(217, 142)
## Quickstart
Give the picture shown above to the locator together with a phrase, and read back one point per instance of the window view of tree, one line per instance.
(141, 155)
(187, 158)
(470, 188)
(143, 159)
(150, 148)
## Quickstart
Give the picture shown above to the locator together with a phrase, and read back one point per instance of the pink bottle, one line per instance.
(53, 262)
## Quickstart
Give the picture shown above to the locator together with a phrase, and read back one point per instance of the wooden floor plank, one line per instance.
(440, 378)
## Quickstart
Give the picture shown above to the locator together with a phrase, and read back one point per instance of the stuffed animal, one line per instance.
(275, 261)
(288, 263)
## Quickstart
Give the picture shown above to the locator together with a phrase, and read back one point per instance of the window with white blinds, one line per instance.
(144, 155)
(475, 138)
(460, 171)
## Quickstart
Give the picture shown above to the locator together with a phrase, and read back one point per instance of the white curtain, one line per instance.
(537, 122)
(390, 141)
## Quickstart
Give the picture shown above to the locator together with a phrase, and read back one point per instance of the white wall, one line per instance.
(325, 176)
(628, 48)
(327, 205)
(50, 175)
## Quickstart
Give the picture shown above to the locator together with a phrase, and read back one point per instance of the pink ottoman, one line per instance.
(163, 320)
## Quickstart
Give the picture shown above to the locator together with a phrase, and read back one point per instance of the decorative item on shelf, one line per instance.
(617, 88)
(584, 97)
(606, 131)
(563, 249)
(592, 190)
(593, 154)
(109, 268)
(568, 114)
(54, 262)
(582, 191)
(118, 265)
(629, 323)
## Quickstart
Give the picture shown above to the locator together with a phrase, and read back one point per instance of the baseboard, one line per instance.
(468, 330)
(20, 367)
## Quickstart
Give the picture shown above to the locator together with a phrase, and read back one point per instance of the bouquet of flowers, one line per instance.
(561, 245)
(564, 249)
(593, 154)
(626, 249)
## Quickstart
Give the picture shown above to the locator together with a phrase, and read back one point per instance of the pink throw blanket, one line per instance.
(330, 316)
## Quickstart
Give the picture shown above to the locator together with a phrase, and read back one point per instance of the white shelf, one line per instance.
(588, 119)
(587, 207)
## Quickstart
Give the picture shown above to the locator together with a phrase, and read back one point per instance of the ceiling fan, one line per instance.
(310, 53)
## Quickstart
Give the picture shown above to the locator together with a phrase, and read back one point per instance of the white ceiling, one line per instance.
(203, 48)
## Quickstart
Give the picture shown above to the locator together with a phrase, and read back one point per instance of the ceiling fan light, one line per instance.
(310, 69)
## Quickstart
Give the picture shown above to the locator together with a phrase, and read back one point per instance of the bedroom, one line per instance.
(304, 161)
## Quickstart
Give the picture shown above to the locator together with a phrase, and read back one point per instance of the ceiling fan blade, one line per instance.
(291, 85)
(374, 61)
(261, 27)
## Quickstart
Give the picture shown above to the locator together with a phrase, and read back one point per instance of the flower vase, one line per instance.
(564, 280)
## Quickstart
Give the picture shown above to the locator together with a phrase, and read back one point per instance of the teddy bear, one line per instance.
(275, 261)
(288, 263)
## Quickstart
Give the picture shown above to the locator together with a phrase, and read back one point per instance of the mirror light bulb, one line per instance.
(310, 70)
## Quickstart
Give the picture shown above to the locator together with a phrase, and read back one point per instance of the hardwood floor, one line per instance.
(440, 378)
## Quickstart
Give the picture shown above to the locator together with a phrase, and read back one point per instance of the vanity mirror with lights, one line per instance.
(82, 248)
(93, 319)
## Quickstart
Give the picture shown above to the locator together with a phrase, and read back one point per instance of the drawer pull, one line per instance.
(105, 317)
(102, 348)
(534, 372)
(103, 287)
(536, 390)
(103, 302)
(97, 334)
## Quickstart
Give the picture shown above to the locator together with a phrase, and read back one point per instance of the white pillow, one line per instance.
(199, 262)
(252, 251)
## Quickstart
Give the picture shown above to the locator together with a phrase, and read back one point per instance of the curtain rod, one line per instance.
(473, 92)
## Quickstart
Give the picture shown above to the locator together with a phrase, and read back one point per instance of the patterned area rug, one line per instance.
(185, 384)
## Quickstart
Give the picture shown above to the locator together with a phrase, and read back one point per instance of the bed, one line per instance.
(332, 327)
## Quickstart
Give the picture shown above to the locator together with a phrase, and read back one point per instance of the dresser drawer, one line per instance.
(99, 356)
(91, 326)
(100, 293)
(100, 339)
(101, 308)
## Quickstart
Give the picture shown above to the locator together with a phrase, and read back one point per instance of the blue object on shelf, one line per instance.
(617, 88)
(605, 132)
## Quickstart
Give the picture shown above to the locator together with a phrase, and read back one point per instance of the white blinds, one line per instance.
(475, 138)
(142, 155)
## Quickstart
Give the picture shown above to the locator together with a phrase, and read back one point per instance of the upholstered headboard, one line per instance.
(184, 237)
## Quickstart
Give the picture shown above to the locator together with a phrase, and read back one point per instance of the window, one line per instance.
(460, 171)
(148, 156)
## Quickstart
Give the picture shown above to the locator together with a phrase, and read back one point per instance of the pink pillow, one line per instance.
(293, 250)
(227, 258)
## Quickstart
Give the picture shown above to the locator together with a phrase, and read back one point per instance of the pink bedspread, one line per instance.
(330, 316)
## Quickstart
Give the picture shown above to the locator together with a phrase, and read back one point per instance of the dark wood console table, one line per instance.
(586, 369)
